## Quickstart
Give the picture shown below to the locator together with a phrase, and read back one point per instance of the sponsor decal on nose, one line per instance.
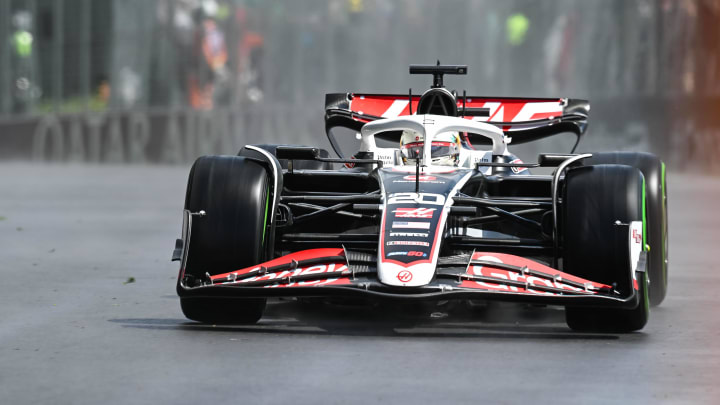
(406, 243)
(408, 235)
(397, 254)
(410, 225)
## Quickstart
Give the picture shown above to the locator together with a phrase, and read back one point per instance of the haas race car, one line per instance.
(432, 206)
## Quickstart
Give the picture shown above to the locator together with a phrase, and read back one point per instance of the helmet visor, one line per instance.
(438, 149)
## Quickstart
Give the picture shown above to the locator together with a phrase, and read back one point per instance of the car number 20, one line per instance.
(416, 198)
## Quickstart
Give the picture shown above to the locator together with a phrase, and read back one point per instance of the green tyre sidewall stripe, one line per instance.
(644, 216)
(267, 202)
(645, 294)
(665, 224)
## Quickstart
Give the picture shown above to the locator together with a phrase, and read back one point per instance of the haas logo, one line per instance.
(637, 236)
(404, 276)
(414, 212)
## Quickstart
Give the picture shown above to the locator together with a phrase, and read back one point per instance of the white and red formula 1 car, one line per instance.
(432, 206)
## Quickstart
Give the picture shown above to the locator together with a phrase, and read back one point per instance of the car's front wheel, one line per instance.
(599, 204)
(653, 169)
(234, 193)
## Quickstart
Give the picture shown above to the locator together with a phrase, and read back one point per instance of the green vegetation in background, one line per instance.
(71, 105)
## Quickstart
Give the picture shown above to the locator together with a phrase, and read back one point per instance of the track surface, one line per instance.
(72, 330)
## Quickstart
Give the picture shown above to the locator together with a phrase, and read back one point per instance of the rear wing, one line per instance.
(522, 119)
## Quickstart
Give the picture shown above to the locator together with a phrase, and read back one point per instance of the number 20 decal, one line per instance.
(414, 198)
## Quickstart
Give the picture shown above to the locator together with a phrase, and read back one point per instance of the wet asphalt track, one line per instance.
(74, 331)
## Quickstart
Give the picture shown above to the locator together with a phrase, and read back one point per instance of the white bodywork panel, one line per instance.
(636, 243)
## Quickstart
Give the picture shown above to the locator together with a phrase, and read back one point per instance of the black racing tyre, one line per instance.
(597, 249)
(299, 164)
(653, 169)
(234, 193)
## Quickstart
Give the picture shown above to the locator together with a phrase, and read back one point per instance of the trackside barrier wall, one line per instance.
(129, 80)
(180, 135)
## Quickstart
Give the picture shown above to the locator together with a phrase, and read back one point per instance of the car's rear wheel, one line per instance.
(234, 193)
(596, 247)
(653, 169)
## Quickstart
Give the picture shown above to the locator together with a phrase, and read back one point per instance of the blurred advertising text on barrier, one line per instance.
(112, 80)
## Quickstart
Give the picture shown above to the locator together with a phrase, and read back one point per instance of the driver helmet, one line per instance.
(445, 150)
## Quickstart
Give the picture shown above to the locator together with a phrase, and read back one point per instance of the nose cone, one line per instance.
(401, 276)
(413, 222)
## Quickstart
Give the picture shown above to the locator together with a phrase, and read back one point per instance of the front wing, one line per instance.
(339, 272)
